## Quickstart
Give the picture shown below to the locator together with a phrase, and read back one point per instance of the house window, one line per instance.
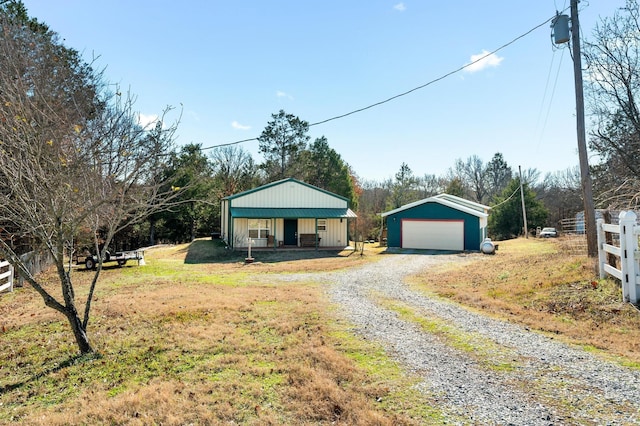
(322, 224)
(259, 228)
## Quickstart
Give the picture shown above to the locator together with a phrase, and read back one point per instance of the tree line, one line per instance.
(284, 145)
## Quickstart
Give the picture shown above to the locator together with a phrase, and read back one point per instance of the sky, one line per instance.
(227, 66)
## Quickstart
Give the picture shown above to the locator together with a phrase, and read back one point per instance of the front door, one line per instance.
(291, 232)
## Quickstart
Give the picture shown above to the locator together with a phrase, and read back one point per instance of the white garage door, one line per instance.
(433, 234)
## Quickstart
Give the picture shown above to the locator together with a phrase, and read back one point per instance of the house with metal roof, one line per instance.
(441, 222)
(285, 213)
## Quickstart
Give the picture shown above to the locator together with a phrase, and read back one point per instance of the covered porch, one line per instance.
(290, 228)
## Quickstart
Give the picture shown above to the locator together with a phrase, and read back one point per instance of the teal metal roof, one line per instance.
(298, 213)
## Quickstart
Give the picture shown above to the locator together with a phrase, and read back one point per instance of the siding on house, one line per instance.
(288, 195)
(298, 203)
(334, 236)
(225, 226)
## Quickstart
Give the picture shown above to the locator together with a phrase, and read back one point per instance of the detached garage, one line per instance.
(442, 222)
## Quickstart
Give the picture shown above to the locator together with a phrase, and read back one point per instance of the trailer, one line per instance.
(121, 257)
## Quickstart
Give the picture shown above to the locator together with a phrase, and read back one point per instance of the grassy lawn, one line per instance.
(194, 338)
(191, 339)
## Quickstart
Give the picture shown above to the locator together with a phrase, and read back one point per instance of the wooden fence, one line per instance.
(35, 263)
(6, 276)
(627, 254)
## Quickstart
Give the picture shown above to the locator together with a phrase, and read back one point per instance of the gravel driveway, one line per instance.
(480, 370)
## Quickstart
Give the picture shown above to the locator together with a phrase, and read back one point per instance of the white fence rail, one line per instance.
(6, 276)
(627, 253)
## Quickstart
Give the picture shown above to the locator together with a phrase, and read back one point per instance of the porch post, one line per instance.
(230, 230)
(316, 233)
(275, 241)
(355, 233)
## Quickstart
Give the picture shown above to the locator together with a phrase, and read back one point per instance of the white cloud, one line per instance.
(400, 7)
(147, 121)
(483, 60)
(282, 94)
(239, 126)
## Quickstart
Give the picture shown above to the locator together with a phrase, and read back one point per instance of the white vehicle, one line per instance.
(548, 233)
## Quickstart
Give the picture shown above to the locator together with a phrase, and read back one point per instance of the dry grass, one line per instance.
(193, 338)
(533, 282)
(197, 344)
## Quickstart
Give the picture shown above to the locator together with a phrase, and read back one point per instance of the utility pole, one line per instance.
(524, 210)
(587, 187)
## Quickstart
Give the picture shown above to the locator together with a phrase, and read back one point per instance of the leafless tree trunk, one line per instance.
(73, 159)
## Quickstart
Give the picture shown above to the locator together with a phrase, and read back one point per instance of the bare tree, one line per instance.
(530, 176)
(234, 170)
(73, 158)
(372, 201)
(561, 193)
(429, 185)
(613, 69)
(472, 172)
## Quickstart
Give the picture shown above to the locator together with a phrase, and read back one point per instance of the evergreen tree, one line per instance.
(455, 187)
(498, 175)
(506, 218)
(326, 169)
(281, 144)
(403, 188)
(190, 169)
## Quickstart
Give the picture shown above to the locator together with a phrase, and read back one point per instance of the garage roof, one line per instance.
(448, 200)
(464, 202)
(301, 213)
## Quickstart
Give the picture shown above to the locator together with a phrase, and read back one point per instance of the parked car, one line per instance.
(548, 233)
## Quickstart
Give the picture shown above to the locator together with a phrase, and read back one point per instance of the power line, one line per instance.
(553, 91)
(457, 70)
(546, 89)
(510, 197)
(228, 144)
